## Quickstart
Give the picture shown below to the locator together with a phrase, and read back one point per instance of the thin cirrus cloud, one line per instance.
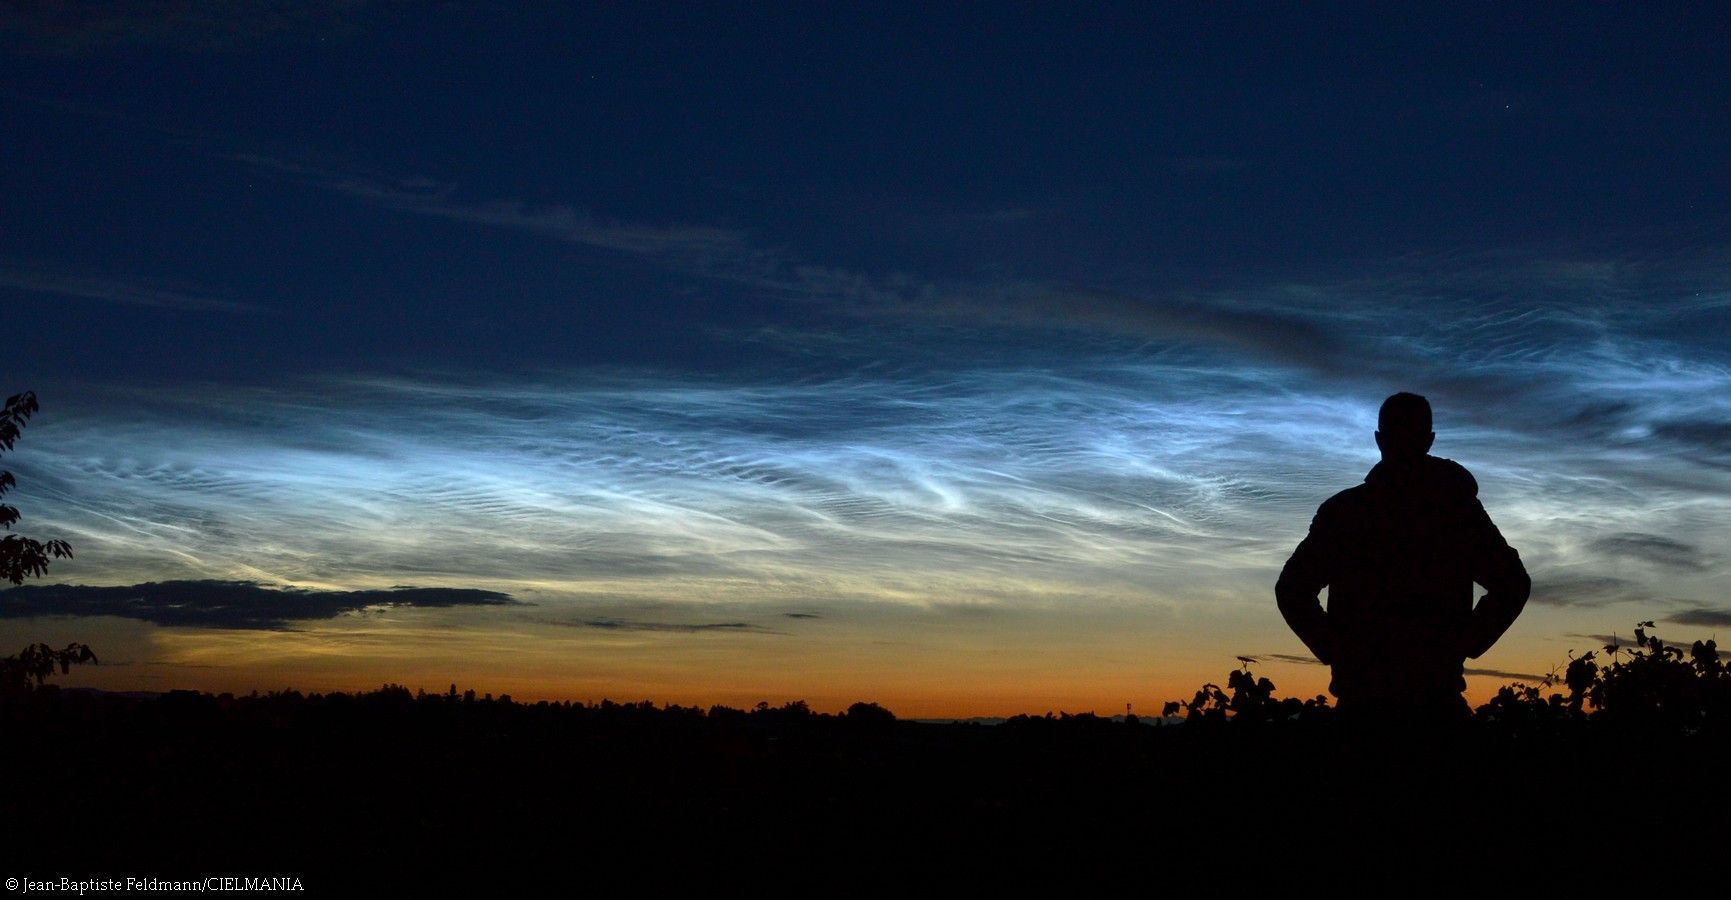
(704, 249)
(62, 28)
(108, 290)
(1525, 332)
(1585, 343)
(1570, 348)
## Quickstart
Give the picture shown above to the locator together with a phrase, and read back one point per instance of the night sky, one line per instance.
(970, 359)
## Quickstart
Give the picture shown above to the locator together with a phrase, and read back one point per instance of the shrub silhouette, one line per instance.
(1252, 700)
(1653, 685)
(1650, 687)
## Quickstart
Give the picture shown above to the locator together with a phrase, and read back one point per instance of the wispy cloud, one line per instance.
(702, 249)
(1285, 658)
(1266, 328)
(1528, 677)
(1555, 347)
(76, 27)
(112, 291)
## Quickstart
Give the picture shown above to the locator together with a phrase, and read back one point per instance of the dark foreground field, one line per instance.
(386, 788)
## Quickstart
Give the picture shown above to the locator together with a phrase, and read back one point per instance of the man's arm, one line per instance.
(1498, 567)
(1304, 577)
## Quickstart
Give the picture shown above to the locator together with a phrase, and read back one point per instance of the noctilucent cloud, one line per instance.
(970, 360)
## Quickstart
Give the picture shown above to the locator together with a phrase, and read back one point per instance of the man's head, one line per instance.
(1404, 427)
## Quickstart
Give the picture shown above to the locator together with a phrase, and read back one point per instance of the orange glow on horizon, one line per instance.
(906, 700)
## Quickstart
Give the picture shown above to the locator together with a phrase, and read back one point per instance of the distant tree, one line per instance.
(870, 714)
(22, 557)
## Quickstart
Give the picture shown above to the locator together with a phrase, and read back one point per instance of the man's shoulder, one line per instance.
(1454, 476)
(1344, 503)
(1435, 479)
(1437, 486)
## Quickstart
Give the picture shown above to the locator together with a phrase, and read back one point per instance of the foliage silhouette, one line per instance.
(35, 663)
(1252, 700)
(22, 557)
(1650, 687)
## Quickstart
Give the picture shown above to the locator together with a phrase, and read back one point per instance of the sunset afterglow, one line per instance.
(968, 371)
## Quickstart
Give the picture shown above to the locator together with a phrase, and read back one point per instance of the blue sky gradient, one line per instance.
(967, 359)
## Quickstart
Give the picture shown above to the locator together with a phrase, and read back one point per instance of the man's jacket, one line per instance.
(1399, 555)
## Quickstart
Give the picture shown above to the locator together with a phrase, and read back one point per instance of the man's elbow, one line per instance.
(1291, 597)
(1514, 585)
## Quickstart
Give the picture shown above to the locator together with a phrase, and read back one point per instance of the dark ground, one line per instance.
(385, 789)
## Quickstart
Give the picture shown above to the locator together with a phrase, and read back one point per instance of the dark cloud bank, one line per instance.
(225, 604)
(679, 627)
(1703, 617)
(1652, 548)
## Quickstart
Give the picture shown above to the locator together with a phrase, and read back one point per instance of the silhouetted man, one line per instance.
(1399, 555)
